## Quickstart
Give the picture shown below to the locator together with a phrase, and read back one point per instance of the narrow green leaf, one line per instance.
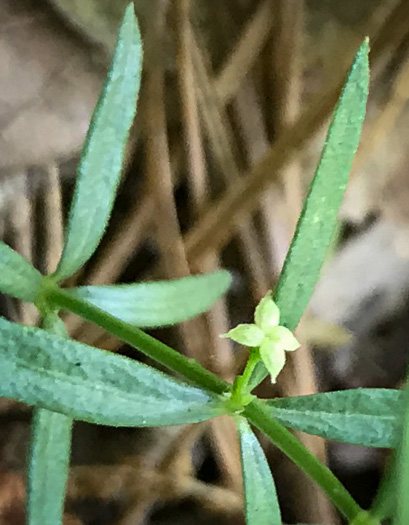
(159, 352)
(369, 416)
(318, 218)
(92, 385)
(258, 375)
(101, 161)
(17, 277)
(258, 413)
(260, 495)
(158, 303)
(48, 467)
(50, 447)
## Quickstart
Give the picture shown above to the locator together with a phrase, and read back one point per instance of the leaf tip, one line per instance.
(129, 14)
(225, 277)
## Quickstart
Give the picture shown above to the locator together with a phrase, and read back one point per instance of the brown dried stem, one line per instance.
(21, 224)
(159, 174)
(245, 53)
(218, 353)
(221, 138)
(53, 218)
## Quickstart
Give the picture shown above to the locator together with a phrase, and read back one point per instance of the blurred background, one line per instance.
(235, 102)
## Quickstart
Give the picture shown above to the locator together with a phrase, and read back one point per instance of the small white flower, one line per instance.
(266, 334)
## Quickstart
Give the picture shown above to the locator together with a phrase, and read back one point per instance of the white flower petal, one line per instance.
(273, 357)
(283, 337)
(267, 313)
(246, 334)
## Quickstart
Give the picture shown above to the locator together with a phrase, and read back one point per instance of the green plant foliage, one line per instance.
(317, 222)
(159, 352)
(92, 385)
(260, 495)
(369, 416)
(53, 324)
(259, 373)
(48, 467)
(402, 472)
(50, 448)
(17, 277)
(385, 503)
(258, 414)
(66, 380)
(158, 303)
(103, 153)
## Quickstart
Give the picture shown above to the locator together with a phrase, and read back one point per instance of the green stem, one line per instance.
(256, 411)
(240, 395)
(254, 359)
(385, 502)
(258, 414)
(190, 369)
(365, 518)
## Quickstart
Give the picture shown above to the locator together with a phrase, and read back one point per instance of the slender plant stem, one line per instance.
(248, 371)
(365, 518)
(256, 411)
(241, 386)
(385, 501)
(190, 369)
(258, 414)
(240, 394)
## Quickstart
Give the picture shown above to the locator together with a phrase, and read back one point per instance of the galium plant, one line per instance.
(65, 380)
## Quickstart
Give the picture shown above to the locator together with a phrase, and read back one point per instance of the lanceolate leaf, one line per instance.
(259, 373)
(158, 303)
(17, 277)
(260, 495)
(369, 416)
(103, 153)
(92, 385)
(318, 218)
(48, 468)
(50, 447)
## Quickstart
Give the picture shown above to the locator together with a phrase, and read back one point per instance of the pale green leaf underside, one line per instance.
(48, 468)
(369, 416)
(158, 303)
(260, 495)
(92, 385)
(102, 157)
(317, 223)
(17, 277)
